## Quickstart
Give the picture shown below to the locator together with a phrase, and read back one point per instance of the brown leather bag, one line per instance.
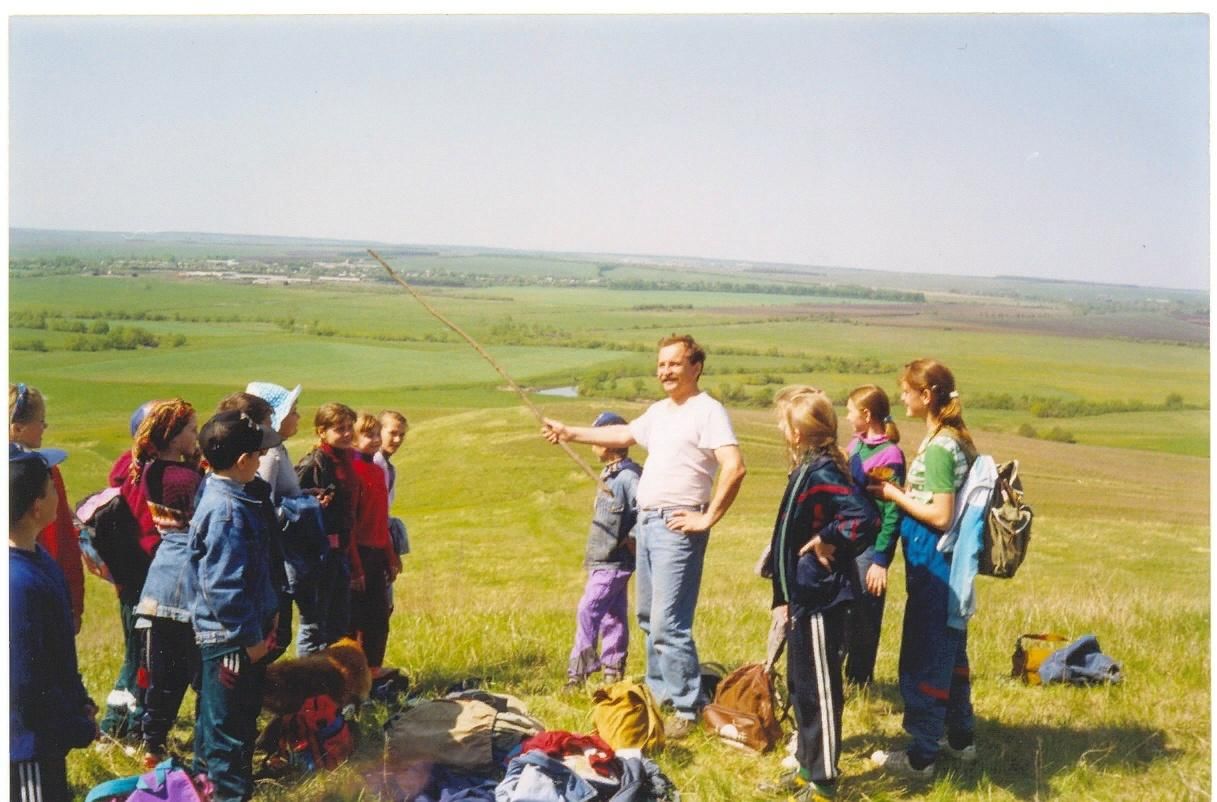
(744, 711)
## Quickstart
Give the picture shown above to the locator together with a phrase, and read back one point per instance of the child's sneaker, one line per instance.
(787, 782)
(965, 754)
(898, 763)
(798, 788)
(815, 792)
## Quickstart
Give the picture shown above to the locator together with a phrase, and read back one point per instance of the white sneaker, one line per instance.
(898, 763)
(966, 755)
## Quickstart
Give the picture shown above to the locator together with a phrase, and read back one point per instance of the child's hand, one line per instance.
(876, 579)
(97, 569)
(824, 551)
(358, 583)
(324, 495)
(884, 491)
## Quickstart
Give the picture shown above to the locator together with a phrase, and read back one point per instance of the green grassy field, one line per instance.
(498, 517)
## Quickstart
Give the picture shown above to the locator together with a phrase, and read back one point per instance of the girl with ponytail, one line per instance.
(934, 673)
(822, 523)
(873, 456)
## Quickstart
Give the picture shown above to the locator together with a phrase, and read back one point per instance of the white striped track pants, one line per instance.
(813, 671)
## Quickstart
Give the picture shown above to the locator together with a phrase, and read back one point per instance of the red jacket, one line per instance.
(371, 529)
(61, 539)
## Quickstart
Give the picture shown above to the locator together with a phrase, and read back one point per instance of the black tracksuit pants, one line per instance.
(813, 672)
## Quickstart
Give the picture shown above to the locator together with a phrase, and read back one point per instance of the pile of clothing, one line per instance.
(477, 746)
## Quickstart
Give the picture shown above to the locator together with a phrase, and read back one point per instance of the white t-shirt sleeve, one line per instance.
(716, 431)
(640, 427)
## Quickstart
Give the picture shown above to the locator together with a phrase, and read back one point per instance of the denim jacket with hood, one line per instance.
(230, 556)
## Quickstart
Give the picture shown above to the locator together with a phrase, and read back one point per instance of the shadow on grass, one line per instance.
(1024, 759)
(526, 671)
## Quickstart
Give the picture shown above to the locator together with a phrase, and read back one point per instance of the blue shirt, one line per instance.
(46, 696)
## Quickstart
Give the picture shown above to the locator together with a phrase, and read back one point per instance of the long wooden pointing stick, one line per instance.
(485, 355)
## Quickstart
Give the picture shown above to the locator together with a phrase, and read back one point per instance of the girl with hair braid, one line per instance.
(168, 431)
(822, 523)
(934, 675)
(165, 460)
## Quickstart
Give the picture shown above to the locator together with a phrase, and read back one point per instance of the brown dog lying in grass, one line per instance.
(339, 671)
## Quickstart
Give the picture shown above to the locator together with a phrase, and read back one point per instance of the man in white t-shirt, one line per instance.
(687, 437)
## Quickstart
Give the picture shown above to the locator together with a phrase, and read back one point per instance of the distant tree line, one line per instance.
(1056, 433)
(92, 334)
(826, 290)
(1042, 407)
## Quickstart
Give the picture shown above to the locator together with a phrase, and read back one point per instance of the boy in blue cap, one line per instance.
(603, 611)
(50, 711)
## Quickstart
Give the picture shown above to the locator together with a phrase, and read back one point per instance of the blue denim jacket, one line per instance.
(614, 518)
(229, 547)
(170, 586)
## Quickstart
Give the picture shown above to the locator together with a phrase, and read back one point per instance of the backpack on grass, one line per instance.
(1030, 651)
(315, 737)
(472, 730)
(168, 782)
(744, 711)
(626, 716)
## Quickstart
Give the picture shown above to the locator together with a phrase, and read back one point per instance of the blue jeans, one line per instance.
(934, 674)
(669, 578)
(227, 724)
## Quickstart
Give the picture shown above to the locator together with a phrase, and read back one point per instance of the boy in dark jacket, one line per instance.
(50, 711)
(235, 606)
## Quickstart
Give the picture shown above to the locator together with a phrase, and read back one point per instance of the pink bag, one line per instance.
(168, 782)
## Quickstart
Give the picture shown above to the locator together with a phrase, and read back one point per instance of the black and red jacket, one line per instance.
(820, 500)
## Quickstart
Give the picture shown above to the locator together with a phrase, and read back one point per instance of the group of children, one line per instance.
(838, 523)
(236, 536)
(227, 536)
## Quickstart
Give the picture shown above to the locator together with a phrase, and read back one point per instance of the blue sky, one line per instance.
(1071, 146)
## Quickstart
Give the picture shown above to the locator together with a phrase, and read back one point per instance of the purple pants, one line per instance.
(602, 615)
